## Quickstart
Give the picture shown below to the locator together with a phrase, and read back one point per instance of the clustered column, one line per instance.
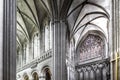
(59, 50)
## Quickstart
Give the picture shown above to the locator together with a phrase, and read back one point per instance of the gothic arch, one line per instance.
(46, 73)
(35, 76)
(92, 35)
(91, 56)
(25, 77)
(94, 32)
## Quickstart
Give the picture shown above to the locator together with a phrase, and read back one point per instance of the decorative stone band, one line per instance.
(35, 61)
(98, 70)
(98, 62)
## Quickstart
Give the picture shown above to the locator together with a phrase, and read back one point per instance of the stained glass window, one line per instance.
(91, 47)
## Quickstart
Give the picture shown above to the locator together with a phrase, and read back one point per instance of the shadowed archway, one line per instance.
(35, 76)
(26, 77)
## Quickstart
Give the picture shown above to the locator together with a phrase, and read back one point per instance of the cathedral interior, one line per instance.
(67, 40)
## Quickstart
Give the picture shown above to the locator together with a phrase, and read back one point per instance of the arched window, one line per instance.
(35, 76)
(27, 52)
(19, 57)
(47, 37)
(72, 50)
(36, 45)
(24, 54)
(92, 47)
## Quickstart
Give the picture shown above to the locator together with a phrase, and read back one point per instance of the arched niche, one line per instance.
(26, 77)
(46, 73)
(92, 47)
(35, 76)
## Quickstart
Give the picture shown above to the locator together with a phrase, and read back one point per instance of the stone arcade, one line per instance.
(60, 40)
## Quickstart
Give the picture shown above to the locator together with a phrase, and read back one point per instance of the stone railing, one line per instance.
(35, 61)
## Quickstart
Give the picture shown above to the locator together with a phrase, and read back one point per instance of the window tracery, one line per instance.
(91, 47)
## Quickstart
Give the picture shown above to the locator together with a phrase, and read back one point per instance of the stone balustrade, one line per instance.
(35, 61)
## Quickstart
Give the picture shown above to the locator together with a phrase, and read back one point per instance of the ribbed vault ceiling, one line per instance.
(29, 19)
(77, 13)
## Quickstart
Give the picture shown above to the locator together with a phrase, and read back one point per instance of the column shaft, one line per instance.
(59, 50)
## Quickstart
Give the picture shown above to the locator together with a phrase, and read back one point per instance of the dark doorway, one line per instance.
(47, 74)
(35, 76)
(26, 78)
